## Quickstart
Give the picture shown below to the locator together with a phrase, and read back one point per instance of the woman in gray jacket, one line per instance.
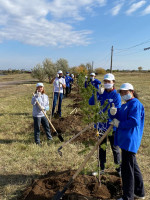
(38, 116)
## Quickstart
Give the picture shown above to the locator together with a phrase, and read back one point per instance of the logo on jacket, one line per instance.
(110, 100)
(125, 108)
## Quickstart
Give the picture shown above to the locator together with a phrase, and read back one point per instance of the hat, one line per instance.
(126, 86)
(39, 84)
(109, 77)
(59, 72)
(92, 74)
(67, 72)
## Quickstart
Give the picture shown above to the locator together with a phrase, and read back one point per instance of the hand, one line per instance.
(101, 90)
(113, 110)
(38, 94)
(43, 108)
(60, 83)
(86, 78)
(57, 75)
(115, 122)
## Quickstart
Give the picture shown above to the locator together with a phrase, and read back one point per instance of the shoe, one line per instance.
(138, 197)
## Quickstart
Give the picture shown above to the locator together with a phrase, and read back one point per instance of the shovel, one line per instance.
(59, 136)
(60, 153)
(59, 194)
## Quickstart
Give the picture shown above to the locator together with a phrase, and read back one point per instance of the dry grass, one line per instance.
(21, 160)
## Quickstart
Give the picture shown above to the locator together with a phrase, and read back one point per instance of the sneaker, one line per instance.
(138, 197)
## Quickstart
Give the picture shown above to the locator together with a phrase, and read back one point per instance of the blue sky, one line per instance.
(80, 31)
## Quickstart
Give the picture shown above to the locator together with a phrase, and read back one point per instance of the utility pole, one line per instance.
(111, 59)
(92, 65)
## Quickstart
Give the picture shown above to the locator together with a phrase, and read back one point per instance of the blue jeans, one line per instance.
(56, 94)
(37, 122)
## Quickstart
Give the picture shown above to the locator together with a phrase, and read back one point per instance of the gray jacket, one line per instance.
(44, 102)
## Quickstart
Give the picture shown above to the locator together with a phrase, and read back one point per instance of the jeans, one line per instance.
(37, 122)
(132, 180)
(115, 150)
(56, 94)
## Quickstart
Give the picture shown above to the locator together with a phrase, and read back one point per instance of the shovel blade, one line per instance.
(57, 196)
(60, 138)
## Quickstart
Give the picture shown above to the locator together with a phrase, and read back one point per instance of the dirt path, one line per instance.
(7, 83)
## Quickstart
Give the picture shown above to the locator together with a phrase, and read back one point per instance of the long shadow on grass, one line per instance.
(9, 141)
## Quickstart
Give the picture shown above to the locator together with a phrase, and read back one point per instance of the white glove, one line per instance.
(43, 108)
(57, 75)
(113, 110)
(86, 78)
(101, 90)
(115, 122)
(38, 94)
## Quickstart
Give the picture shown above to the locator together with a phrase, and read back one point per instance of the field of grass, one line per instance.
(21, 160)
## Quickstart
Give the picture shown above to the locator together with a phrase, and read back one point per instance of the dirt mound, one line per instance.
(83, 187)
(72, 125)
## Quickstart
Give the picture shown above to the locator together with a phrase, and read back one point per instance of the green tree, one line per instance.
(39, 72)
(62, 64)
(50, 68)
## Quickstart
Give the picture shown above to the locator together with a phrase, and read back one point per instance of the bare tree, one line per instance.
(50, 68)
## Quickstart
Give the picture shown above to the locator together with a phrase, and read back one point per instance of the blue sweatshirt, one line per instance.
(112, 97)
(44, 102)
(129, 133)
(68, 80)
(95, 83)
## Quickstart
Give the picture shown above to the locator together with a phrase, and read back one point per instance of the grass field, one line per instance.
(21, 160)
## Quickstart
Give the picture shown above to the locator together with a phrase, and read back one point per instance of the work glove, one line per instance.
(115, 122)
(113, 110)
(86, 78)
(60, 82)
(101, 90)
(38, 94)
(43, 108)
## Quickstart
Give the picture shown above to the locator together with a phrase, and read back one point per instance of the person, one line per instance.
(59, 84)
(95, 82)
(72, 76)
(68, 80)
(129, 120)
(109, 93)
(38, 116)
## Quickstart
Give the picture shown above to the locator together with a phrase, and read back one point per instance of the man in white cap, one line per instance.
(95, 82)
(112, 96)
(59, 84)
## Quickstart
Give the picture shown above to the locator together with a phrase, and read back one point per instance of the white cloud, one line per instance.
(115, 10)
(146, 11)
(135, 6)
(42, 22)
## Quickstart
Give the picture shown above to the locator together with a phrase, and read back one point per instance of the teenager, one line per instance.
(109, 93)
(59, 84)
(38, 116)
(129, 121)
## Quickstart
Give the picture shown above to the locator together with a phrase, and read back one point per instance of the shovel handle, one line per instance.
(92, 152)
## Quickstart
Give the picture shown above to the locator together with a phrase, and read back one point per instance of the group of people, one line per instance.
(127, 120)
(128, 125)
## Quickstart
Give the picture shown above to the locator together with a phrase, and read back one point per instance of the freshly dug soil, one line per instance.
(82, 188)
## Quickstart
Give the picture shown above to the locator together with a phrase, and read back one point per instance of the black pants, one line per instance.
(67, 91)
(132, 180)
(115, 150)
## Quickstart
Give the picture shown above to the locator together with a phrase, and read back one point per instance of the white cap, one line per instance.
(39, 84)
(109, 77)
(92, 74)
(126, 86)
(59, 72)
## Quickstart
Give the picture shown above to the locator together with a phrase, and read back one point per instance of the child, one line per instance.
(38, 116)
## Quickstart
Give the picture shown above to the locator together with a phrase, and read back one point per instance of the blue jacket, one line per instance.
(68, 80)
(129, 133)
(112, 97)
(95, 83)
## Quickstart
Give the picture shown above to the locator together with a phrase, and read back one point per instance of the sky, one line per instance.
(80, 31)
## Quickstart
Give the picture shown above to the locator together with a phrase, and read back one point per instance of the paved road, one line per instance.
(5, 84)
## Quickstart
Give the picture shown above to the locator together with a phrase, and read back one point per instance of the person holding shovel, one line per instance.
(129, 121)
(108, 93)
(59, 84)
(38, 116)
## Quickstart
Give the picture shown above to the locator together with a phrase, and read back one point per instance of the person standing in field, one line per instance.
(59, 84)
(108, 93)
(69, 81)
(129, 121)
(38, 116)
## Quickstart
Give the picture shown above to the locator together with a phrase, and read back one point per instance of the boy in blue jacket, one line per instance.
(129, 120)
(68, 80)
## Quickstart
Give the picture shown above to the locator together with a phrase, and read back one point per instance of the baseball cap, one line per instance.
(92, 74)
(109, 77)
(126, 86)
(39, 84)
(59, 72)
